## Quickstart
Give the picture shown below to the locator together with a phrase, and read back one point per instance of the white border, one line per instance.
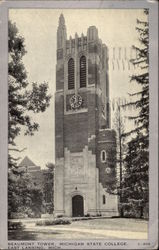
(153, 24)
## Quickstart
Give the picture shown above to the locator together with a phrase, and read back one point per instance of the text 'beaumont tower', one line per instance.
(85, 169)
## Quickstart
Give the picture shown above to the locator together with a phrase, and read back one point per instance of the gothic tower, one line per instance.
(85, 169)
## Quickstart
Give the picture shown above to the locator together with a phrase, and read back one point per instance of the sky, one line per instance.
(116, 28)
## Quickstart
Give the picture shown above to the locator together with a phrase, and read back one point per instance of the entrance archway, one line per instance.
(77, 206)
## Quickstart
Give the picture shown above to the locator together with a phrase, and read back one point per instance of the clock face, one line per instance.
(75, 101)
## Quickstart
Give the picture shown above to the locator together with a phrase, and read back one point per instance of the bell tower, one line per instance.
(85, 169)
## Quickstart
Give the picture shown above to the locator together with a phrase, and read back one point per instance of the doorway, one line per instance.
(77, 206)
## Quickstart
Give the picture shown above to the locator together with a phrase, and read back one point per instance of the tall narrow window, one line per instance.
(71, 77)
(104, 201)
(103, 156)
(82, 72)
(107, 115)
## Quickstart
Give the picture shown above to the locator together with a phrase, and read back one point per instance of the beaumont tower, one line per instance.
(85, 167)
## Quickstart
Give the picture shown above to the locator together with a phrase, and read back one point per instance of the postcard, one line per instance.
(79, 125)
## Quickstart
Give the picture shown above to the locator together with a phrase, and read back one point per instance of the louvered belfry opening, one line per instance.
(71, 77)
(82, 72)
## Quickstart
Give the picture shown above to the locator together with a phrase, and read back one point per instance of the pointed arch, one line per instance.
(71, 73)
(77, 206)
(82, 71)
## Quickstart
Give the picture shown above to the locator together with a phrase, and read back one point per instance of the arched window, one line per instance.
(82, 72)
(104, 200)
(71, 78)
(103, 156)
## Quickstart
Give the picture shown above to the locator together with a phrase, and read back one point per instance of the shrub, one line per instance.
(87, 215)
(53, 222)
(132, 212)
(34, 215)
(59, 216)
(18, 215)
(15, 225)
(82, 218)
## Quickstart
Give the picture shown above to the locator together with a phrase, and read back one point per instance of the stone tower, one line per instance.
(85, 169)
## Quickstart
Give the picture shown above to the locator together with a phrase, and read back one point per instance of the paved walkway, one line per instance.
(68, 230)
(105, 233)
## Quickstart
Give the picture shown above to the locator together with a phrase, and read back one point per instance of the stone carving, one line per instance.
(77, 166)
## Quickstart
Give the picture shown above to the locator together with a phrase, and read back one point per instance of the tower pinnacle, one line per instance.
(61, 32)
(61, 20)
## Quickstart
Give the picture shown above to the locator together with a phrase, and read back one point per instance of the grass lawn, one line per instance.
(135, 225)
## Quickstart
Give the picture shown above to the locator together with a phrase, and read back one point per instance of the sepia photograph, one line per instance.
(78, 124)
(78, 127)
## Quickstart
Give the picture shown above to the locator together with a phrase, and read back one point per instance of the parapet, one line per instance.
(78, 42)
(107, 134)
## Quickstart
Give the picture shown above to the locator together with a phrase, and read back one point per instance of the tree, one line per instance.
(23, 102)
(135, 181)
(118, 123)
(23, 195)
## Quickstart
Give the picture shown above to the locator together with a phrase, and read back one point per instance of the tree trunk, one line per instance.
(141, 212)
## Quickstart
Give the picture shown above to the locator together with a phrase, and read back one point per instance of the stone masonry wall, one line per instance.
(76, 131)
(107, 170)
(59, 122)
